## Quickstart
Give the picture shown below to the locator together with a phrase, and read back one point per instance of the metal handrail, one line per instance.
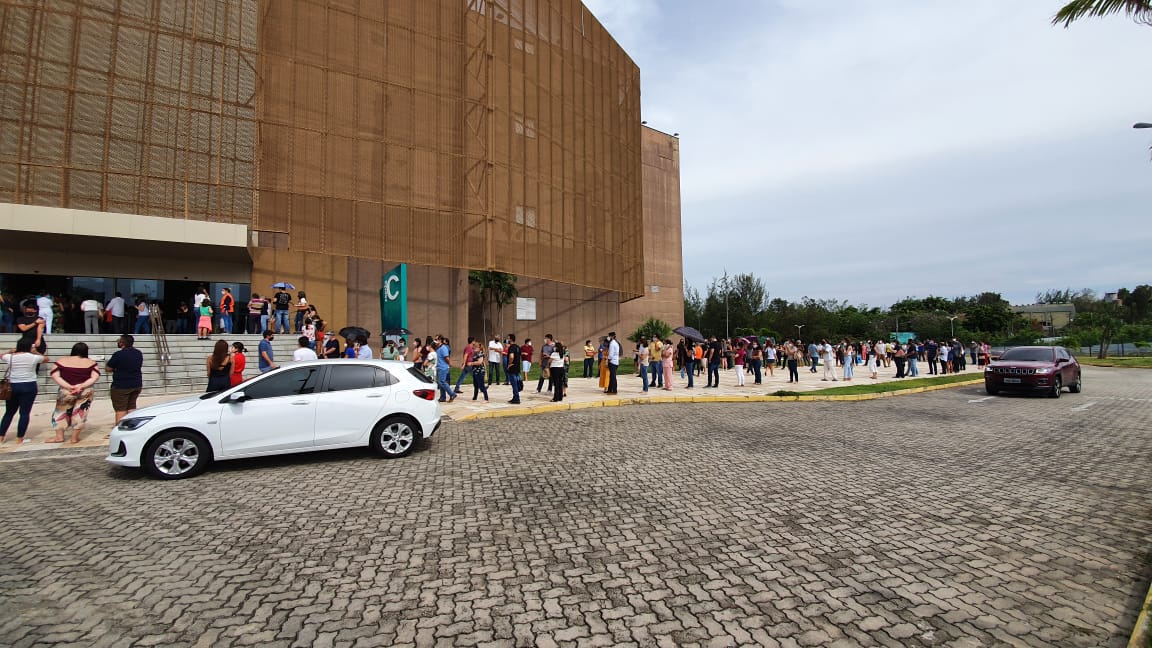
(160, 336)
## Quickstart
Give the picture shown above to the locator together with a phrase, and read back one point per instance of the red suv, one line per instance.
(1034, 368)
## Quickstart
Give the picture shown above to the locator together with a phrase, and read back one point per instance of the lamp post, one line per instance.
(952, 324)
(798, 327)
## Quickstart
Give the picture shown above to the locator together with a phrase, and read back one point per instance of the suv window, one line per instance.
(352, 376)
(293, 382)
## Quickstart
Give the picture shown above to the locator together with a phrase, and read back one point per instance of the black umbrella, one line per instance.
(688, 332)
(397, 331)
(353, 332)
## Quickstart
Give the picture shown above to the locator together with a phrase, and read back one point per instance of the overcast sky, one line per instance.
(869, 150)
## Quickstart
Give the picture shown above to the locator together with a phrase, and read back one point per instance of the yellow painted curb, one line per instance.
(662, 400)
(1142, 633)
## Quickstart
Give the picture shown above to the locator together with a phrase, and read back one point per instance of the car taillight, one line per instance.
(426, 394)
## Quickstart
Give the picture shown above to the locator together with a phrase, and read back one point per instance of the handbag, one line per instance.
(5, 384)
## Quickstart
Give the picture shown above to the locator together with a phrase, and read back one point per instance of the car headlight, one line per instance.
(987, 368)
(1044, 370)
(135, 423)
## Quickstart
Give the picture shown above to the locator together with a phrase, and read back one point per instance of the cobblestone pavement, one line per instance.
(938, 519)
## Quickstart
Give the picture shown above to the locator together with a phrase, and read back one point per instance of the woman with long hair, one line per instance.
(770, 357)
(219, 365)
(204, 319)
(75, 374)
(22, 363)
(239, 361)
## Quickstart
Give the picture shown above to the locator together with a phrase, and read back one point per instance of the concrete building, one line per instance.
(1053, 317)
(152, 147)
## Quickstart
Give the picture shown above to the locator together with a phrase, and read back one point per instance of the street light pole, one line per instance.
(798, 327)
(952, 324)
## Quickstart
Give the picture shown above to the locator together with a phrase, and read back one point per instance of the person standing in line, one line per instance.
(30, 325)
(602, 363)
(363, 350)
(143, 324)
(931, 350)
(495, 358)
(204, 319)
(92, 311)
(688, 362)
(739, 356)
(21, 374)
(44, 305)
(828, 358)
(127, 368)
(219, 368)
(712, 357)
(545, 362)
(116, 307)
(813, 355)
(872, 362)
(255, 314)
(265, 357)
(555, 370)
(757, 361)
(849, 358)
(239, 362)
(512, 370)
(770, 358)
(303, 350)
(227, 307)
(301, 309)
(475, 366)
(613, 362)
(655, 371)
(281, 301)
(75, 375)
(589, 357)
(465, 364)
(911, 353)
(792, 361)
(642, 363)
(332, 348)
(443, 370)
(667, 360)
(900, 357)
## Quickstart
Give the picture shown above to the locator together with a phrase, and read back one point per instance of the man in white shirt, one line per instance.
(365, 351)
(613, 361)
(91, 309)
(495, 360)
(828, 357)
(44, 304)
(304, 351)
(116, 306)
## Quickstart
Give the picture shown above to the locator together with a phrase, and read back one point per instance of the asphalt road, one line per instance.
(940, 519)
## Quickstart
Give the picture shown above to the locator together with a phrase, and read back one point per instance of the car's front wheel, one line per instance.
(1077, 386)
(992, 391)
(394, 437)
(176, 454)
(1057, 387)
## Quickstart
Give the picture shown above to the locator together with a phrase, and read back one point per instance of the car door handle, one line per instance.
(374, 396)
(301, 402)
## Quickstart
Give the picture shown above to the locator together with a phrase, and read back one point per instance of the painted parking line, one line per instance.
(981, 400)
(1081, 408)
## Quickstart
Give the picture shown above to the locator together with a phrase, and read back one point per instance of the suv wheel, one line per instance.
(1057, 387)
(992, 391)
(1077, 386)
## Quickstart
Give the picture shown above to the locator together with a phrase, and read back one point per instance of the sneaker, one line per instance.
(514, 402)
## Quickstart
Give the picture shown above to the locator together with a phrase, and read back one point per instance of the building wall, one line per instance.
(663, 254)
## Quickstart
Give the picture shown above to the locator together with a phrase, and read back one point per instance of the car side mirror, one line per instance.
(1060, 360)
(237, 397)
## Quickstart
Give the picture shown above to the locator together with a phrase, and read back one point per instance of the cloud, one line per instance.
(822, 129)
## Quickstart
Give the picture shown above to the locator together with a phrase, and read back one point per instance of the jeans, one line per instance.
(226, 323)
(756, 371)
(23, 396)
(143, 326)
(254, 323)
(587, 367)
(281, 321)
(556, 378)
(688, 369)
(912, 369)
(657, 374)
(494, 373)
(442, 382)
(504, 363)
(460, 379)
(544, 373)
(644, 376)
(5, 322)
(299, 321)
(612, 369)
(814, 360)
(478, 386)
(714, 374)
(793, 371)
(514, 381)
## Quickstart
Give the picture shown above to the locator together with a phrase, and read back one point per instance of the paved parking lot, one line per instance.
(939, 519)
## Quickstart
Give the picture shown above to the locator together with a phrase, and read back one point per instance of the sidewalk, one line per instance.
(582, 393)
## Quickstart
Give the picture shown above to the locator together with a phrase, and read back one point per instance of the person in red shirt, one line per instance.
(238, 363)
(465, 360)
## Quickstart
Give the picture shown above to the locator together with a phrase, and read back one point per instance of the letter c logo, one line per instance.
(388, 292)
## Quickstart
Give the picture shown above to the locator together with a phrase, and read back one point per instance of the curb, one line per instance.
(656, 400)
(1142, 632)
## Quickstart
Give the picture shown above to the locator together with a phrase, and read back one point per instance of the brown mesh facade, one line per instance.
(479, 134)
(133, 106)
(486, 135)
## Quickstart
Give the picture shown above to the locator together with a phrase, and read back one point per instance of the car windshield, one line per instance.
(1029, 354)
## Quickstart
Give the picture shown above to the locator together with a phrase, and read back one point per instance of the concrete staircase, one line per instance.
(184, 374)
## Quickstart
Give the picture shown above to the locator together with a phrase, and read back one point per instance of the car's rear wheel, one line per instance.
(992, 391)
(176, 454)
(1057, 387)
(1077, 386)
(394, 437)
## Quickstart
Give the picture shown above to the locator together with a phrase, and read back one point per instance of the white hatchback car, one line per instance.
(300, 407)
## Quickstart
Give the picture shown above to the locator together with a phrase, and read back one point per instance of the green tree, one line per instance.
(1103, 324)
(1138, 10)
(693, 306)
(652, 329)
(496, 289)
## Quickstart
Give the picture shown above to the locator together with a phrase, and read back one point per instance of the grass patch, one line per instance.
(1136, 361)
(897, 385)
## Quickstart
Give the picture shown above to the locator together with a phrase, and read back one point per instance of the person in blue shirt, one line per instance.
(443, 367)
(267, 361)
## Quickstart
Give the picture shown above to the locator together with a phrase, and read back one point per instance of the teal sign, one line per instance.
(394, 298)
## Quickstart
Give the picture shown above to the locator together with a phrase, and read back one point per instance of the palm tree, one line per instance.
(1138, 10)
(496, 288)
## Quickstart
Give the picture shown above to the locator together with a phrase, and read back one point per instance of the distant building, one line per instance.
(1053, 317)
